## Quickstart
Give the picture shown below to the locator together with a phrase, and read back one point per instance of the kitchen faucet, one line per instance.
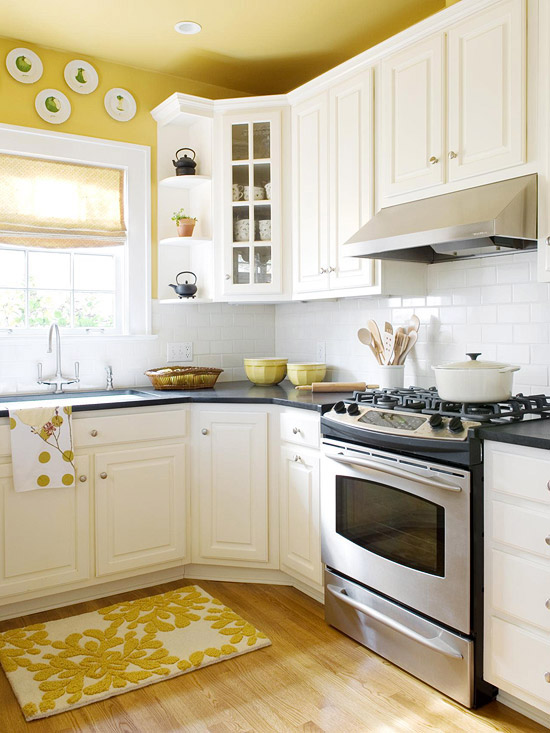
(57, 380)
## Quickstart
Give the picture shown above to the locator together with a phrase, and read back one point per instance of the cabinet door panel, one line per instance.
(233, 486)
(300, 533)
(140, 507)
(411, 121)
(310, 157)
(44, 534)
(487, 91)
(351, 179)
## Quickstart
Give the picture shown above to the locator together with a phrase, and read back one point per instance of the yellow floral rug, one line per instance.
(64, 664)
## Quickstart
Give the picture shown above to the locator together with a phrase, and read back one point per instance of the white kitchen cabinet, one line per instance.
(251, 202)
(466, 86)
(486, 71)
(310, 194)
(233, 486)
(517, 572)
(412, 97)
(44, 534)
(300, 551)
(140, 498)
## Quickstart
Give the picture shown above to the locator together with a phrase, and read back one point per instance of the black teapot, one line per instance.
(185, 166)
(186, 289)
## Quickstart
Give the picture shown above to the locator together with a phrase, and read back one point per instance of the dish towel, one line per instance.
(42, 448)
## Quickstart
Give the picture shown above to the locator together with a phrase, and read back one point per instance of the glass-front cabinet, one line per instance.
(252, 204)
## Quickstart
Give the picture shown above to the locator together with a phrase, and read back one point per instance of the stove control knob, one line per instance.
(339, 407)
(353, 409)
(436, 421)
(455, 425)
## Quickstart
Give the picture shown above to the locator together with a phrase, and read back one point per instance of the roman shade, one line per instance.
(57, 205)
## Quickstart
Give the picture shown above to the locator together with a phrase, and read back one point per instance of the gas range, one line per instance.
(416, 421)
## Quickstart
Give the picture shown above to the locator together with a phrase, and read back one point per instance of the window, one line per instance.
(74, 233)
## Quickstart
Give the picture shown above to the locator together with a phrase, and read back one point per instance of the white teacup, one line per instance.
(241, 230)
(268, 190)
(238, 192)
(258, 191)
(265, 229)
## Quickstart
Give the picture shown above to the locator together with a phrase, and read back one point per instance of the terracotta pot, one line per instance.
(185, 227)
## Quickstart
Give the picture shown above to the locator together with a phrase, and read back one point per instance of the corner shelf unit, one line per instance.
(184, 182)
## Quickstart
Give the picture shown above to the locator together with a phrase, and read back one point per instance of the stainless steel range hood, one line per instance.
(491, 219)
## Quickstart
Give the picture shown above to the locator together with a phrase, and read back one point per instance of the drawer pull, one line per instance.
(548, 485)
(103, 474)
(547, 539)
(93, 433)
(297, 459)
(204, 431)
(296, 431)
(547, 676)
(547, 604)
(83, 478)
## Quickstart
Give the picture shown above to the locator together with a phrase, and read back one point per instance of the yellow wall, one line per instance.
(88, 116)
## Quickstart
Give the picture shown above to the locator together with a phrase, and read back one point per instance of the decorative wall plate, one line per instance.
(24, 65)
(81, 76)
(120, 104)
(53, 106)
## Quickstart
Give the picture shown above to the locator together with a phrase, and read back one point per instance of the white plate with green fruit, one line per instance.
(53, 106)
(81, 76)
(24, 65)
(120, 104)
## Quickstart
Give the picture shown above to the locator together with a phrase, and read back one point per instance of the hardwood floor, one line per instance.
(312, 679)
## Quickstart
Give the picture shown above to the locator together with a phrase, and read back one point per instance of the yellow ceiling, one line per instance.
(256, 46)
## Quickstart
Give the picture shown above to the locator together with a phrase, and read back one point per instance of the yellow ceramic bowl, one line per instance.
(306, 373)
(265, 371)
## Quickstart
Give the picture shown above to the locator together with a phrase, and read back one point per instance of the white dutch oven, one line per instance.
(474, 381)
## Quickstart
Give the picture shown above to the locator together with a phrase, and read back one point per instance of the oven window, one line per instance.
(391, 523)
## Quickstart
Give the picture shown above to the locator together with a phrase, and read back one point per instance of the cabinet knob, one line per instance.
(103, 474)
(434, 160)
(548, 485)
(295, 431)
(547, 604)
(332, 269)
(547, 676)
(452, 154)
(547, 540)
(93, 433)
(297, 459)
(83, 478)
(228, 277)
(204, 431)
(547, 240)
(323, 270)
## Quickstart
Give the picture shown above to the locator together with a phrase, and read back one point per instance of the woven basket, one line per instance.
(178, 377)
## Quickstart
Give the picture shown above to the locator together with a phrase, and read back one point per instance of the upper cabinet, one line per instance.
(453, 106)
(412, 133)
(251, 232)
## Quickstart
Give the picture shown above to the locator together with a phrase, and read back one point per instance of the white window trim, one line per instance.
(136, 161)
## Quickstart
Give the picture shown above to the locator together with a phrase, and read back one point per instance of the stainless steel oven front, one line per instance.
(399, 526)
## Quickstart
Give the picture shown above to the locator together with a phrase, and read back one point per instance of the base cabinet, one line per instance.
(300, 538)
(233, 486)
(44, 534)
(140, 507)
(517, 572)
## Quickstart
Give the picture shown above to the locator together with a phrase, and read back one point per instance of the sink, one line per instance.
(95, 397)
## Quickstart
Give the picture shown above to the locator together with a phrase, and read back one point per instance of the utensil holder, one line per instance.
(391, 377)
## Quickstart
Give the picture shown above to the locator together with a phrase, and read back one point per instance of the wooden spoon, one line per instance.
(377, 338)
(414, 323)
(413, 337)
(401, 340)
(389, 341)
(366, 337)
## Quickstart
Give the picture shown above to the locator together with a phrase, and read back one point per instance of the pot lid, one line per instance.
(473, 364)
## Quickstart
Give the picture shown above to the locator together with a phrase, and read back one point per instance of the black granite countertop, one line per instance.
(533, 433)
(225, 392)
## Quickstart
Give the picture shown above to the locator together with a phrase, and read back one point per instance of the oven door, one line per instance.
(400, 527)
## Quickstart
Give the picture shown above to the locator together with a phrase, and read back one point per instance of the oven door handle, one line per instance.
(435, 643)
(392, 470)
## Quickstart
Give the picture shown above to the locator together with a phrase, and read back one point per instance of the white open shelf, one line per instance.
(178, 301)
(184, 241)
(184, 181)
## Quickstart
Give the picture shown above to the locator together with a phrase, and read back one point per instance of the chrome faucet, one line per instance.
(57, 380)
(109, 372)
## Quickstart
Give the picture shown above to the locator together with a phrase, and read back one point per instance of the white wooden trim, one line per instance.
(524, 708)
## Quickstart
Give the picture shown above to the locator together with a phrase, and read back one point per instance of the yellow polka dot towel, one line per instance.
(61, 665)
(42, 448)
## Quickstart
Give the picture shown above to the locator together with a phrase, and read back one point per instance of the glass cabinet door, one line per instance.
(253, 152)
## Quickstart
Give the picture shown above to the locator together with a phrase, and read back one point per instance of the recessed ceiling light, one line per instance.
(188, 27)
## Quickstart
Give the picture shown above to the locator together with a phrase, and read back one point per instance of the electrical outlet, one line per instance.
(181, 351)
(320, 354)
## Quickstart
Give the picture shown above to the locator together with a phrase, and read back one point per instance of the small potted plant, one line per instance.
(185, 223)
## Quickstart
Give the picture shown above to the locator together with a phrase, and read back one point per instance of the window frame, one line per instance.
(135, 160)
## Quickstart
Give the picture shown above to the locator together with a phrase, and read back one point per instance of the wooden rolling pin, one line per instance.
(336, 386)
